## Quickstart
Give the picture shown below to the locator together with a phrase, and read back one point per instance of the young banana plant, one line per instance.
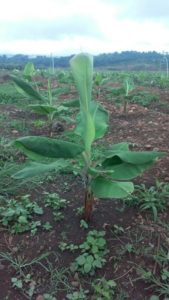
(46, 104)
(129, 87)
(110, 176)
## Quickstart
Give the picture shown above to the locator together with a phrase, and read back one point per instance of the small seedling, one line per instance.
(17, 282)
(48, 297)
(17, 215)
(57, 204)
(78, 295)
(71, 247)
(80, 211)
(47, 226)
(93, 251)
(104, 289)
(84, 224)
(118, 230)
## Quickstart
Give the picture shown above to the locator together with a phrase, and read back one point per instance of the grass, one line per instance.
(9, 95)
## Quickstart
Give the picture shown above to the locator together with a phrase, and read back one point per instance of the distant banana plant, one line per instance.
(128, 87)
(45, 105)
(107, 177)
(99, 81)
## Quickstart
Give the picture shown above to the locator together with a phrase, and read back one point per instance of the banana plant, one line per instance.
(45, 105)
(128, 87)
(108, 177)
(29, 71)
(99, 81)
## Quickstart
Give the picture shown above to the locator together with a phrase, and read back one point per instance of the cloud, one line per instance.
(55, 29)
(66, 26)
(145, 9)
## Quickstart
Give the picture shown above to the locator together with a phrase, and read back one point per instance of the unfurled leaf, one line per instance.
(121, 171)
(100, 117)
(27, 88)
(29, 70)
(132, 157)
(34, 169)
(105, 188)
(100, 120)
(38, 147)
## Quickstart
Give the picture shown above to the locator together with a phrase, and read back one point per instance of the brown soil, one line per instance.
(146, 129)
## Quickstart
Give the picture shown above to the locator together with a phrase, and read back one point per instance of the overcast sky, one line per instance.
(64, 27)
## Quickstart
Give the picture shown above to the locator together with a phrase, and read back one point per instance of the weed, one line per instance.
(78, 295)
(80, 211)
(23, 280)
(83, 224)
(92, 255)
(47, 226)
(71, 247)
(39, 123)
(57, 204)
(48, 297)
(17, 215)
(118, 230)
(153, 199)
(144, 98)
(104, 289)
(59, 280)
(9, 95)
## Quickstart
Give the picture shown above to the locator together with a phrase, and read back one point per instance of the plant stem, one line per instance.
(89, 203)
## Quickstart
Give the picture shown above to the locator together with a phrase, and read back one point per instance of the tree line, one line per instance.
(118, 60)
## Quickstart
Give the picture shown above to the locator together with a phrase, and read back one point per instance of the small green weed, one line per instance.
(17, 215)
(154, 199)
(92, 255)
(78, 295)
(9, 95)
(84, 224)
(104, 289)
(144, 98)
(57, 204)
(23, 280)
(63, 246)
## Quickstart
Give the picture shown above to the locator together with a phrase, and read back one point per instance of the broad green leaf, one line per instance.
(132, 157)
(81, 260)
(122, 171)
(100, 119)
(29, 70)
(35, 169)
(27, 88)
(87, 267)
(38, 147)
(82, 69)
(86, 129)
(104, 188)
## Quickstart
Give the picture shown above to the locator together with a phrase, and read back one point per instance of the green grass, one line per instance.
(9, 94)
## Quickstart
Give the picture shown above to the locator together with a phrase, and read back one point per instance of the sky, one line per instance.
(64, 27)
